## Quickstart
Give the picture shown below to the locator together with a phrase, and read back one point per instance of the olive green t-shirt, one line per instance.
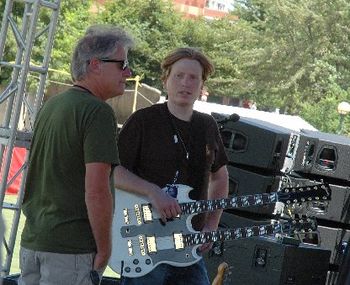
(72, 129)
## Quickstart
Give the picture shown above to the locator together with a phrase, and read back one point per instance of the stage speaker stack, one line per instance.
(323, 155)
(245, 182)
(254, 144)
(264, 158)
(263, 260)
(259, 154)
(326, 157)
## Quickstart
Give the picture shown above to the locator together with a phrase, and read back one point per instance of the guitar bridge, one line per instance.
(126, 216)
(142, 245)
(138, 214)
(130, 249)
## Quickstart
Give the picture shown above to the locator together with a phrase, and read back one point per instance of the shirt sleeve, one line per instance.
(220, 153)
(100, 138)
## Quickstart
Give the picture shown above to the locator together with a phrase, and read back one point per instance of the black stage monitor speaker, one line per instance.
(334, 239)
(337, 209)
(244, 182)
(256, 261)
(323, 154)
(255, 143)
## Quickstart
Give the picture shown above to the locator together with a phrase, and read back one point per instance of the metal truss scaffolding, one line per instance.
(23, 38)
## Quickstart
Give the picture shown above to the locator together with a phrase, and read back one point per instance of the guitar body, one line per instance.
(141, 241)
(133, 237)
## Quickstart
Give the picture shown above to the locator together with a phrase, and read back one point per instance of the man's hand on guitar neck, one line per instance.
(166, 206)
(207, 246)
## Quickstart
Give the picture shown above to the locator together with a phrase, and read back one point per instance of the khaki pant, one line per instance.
(47, 268)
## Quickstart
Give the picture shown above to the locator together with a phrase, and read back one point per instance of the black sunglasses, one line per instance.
(124, 63)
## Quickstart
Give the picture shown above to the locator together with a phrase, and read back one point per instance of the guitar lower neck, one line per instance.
(232, 234)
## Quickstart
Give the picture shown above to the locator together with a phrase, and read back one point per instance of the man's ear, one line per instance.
(94, 64)
(164, 84)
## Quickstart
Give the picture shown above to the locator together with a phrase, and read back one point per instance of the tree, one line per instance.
(296, 54)
(75, 17)
(157, 28)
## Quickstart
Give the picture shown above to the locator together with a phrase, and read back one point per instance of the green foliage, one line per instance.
(296, 57)
(9, 52)
(156, 27)
(286, 54)
(75, 17)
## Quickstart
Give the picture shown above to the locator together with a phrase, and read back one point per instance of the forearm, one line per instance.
(99, 204)
(128, 181)
(100, 213)
(218, 189)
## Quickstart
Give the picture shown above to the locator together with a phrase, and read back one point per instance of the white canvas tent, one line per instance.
(294, 123)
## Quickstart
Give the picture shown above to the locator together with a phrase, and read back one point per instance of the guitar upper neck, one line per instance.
(234, 202)
(287, 195)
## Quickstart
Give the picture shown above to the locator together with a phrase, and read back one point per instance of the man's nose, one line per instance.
(127, 72)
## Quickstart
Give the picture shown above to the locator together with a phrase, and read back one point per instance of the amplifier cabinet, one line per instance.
(323, 154)
(244, 182)
(336, 240)
(256, 261)
(338, 207)
(254, 143)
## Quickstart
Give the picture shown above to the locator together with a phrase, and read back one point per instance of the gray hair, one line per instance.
(99, 41)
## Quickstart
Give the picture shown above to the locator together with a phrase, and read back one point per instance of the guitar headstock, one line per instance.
(299, 225)
(309, 193)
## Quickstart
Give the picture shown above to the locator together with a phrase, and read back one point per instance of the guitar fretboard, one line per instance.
(234, 202)
(233, 234)
(287, 195)
(287, 227)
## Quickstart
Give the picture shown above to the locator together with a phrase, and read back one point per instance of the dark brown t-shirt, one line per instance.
(154, 145)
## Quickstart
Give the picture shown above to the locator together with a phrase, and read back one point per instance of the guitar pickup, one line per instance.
(151, 244)
(147, 213)
(179, 241)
